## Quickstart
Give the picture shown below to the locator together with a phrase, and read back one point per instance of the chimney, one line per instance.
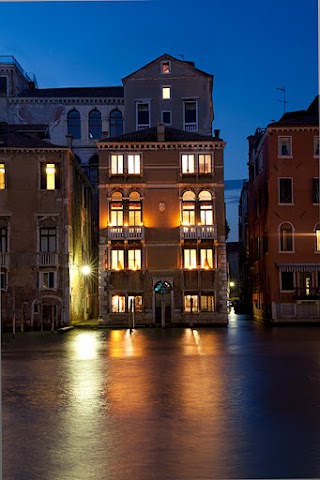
(216, 134)
(69, 141)
(161, 137)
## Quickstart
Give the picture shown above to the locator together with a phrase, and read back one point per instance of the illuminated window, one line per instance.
(317, 237)
(135, 214)
(116, 210)
(286, 237)
(191, 303)
(206, 208)
(205, 163)
(74, 124)
(143, 115)
(166, 93)
(117, 165)
(134, 259)
(2, 176)
(284, 147)
(188, 208)
(190, 258)
(207, 303)
(187, 161)
(206, 258)
(135, 303)
(48, 240)
(47, 280)
(165, 67)
(116, 123)
(50, 176)
(118, 303)
(95, 124)
(117, 259)
(134, 164)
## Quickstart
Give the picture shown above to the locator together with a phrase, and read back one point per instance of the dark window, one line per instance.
(74, 124)
(95, 124)
(286, 237)
(315, 190)
(3, 85)
(3, 239)
(285, 193)
(166, 117)
(48, 240)
(143, 114)
(190, 112)
(116, 123)
(287, 281)
(2, 280)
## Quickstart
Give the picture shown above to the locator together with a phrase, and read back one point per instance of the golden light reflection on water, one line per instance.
(124, 343)
(86, 346)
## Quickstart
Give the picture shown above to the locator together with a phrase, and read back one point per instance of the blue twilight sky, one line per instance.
(252, 48)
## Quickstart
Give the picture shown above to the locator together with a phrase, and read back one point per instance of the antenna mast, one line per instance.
(284, 101)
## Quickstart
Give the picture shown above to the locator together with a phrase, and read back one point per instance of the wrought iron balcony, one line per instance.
(128, 233)
(198, 232)
(307, 293)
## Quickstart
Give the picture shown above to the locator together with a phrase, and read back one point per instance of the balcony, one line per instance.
(47, 259)
(191, 127)
(307, 294)
(126, 233)
(198, 232)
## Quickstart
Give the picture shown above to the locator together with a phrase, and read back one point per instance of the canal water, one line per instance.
(172, 404)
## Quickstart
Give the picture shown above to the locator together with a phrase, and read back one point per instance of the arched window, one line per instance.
(286, 237)
(206, 208)
(116, 209)
(188, 208)
(95, 124)
(74, 124)
(135, 213)
(317, 237)
(116, 123)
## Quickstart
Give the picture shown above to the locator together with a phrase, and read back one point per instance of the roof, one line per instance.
(171, 135)
(166, 56)
(23, 127)
(300, 117)
(10, 137)
(72, 92)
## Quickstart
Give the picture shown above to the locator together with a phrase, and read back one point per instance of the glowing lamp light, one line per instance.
(231, 284)
(86, 270)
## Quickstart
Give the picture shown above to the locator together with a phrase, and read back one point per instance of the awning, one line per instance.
(299, 267)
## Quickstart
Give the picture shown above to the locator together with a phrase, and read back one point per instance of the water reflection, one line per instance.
(162, 404)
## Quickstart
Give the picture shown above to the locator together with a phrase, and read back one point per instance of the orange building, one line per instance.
(162, 228)
(284, 218)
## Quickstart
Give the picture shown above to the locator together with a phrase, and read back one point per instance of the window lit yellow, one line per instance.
(2, 176)
(51, 174)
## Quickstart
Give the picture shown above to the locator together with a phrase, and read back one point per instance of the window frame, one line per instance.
(190, 124)
(190, 260)
(51, 240)
(74, 124)
(52, 277)
(94, 125)
(121, 302)
(162, 119)
(186, 162)
(317, 238)
(44, 176)
(119, 162)
(115, 123)
(280, 179)
(281, 145)
(166, 92)
(165, 62)
(3, 176)
(142, 126)
(315, 190)
(117, 259)
(316, 146)
(285, 238)
(187, 303)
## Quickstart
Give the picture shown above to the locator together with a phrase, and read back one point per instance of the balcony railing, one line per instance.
(191, 127)
(307, 293)
(45, 259)
(131, 233)
(198, 231)
(4, 259)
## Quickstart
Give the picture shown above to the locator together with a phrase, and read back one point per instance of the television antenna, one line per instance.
(284, 101)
